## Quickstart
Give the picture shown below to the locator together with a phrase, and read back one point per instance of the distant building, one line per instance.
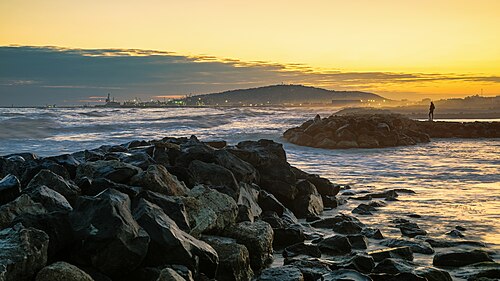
(346, 102)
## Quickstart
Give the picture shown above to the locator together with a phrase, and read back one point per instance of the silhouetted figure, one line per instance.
(431, 111)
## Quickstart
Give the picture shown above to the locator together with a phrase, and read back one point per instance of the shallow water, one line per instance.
(457, 180)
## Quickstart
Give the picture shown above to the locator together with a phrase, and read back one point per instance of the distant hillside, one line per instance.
(279, 95)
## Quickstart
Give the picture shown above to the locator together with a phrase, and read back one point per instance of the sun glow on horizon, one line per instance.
(451, 38)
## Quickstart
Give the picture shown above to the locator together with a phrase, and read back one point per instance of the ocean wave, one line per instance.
(27, 128)
(93, 113)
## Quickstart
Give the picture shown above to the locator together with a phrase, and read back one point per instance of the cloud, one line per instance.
(48, 75)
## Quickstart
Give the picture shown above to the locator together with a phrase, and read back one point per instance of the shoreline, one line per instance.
(260, 173)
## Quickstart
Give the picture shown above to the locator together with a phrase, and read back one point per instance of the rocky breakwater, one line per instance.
(170, 209)
(382, 130)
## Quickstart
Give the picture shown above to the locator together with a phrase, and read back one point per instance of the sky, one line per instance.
(396, 48)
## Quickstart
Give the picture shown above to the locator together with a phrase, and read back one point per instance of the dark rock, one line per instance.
(308, 201)
(113, 170)
(62, 271)
(410, 229)
(53, 181)
(433, 274)
(247, 203)
(416, 246)
(455, 233)
(372, 233)
(215, 176)
(347, 227)
(268, 202)
(335, 245)
(414, 216)
(358, 241)
(57, 226)
(10, 189)
(108, 237)
(393, 266)
(324, 186)
(312, 269)
(216, 144)
(68, 161)
(157, 179)
(366, 197)
(288, 236)
(258, 238)
(23, 205)
(273, 220)
(302, 249)
(234, 260)
(346, 274)
(287, 272)
(441, 243)
(460, 228)
(23, 251)
(341, 223)
(224, 207)
(458, 259)
(93, 187)
(172, 206)
(363, 209)
(166, 237)
(168, 274)
(404, 252)
(242, 171)
(50, 199)
(332, 201)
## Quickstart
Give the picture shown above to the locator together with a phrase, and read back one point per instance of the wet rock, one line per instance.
(372, 233)
(234, 259)
(393, 266)
(308, 201)
(242, 171)
(62, 271)
(286, 272)
(347, 227)
(23, 205)
(157, 179)
(458, 259)
(324, 186)
(404, 252)
(166, 237)
(312, 269)
(460, 228)
(406, 276)
(169, 274)
(268, 202)
(138, 157)
(53, 181)
(57, 226)
(214, 176)
(258, 238)
(416, 246)
(10, 189)
(363, 209)
(273, 219)
(366, 197)
(68, 161)
(346, 274)
(23, 251)
(441, 243)
(433, 274)
(247, 202)
(455, 233)
(340, 223)
(302, 249)
(108, 237)
(201, 218)
(358, 241)
(335, 245)
(50, 199)
(410, 229)
(112, 169)
(172, 206)
(288, 235)
(222, 205)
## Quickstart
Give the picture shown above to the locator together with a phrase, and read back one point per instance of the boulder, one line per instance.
(363, 209)
(343, 224)
(222, 205)
(10, 189)
(157, 179)
(308, 201)
(458, 259)
(50, 199)
(358, 241)
(168, 274)
(242, 171)
(312, 269)
(172, 206)
(258, 238)
(372, 233)
(288, 235)
(287, 272)
(107, 235)
(214, 176)
(113, 170)
(393, 266)
(403, 252)
(302, 249)
(416, 246)
(23, 251)
(433, 274)
(53, 181)
(62, 271)
(201, 218)
(166, 237)
(410, 229)
(335, 245)
(68, 161)
(345, 274)
(234, 259)
(247, 202)
(23, 205)
(92, 187)
(269, 203)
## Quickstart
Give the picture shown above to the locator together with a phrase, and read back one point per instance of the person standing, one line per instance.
(431, 111)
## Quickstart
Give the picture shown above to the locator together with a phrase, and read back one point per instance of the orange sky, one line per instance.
(447, 37)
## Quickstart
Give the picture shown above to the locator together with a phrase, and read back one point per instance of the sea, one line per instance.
(457, 181)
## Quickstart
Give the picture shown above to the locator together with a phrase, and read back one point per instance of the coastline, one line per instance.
(287, 230)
